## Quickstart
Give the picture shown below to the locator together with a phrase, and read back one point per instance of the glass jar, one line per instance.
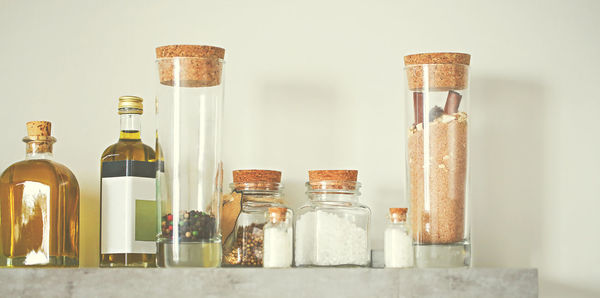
(188, 146)
(332, 229)
(278, 241)
(255, 191)
(437, 157)
(398, 249)
(39, 207)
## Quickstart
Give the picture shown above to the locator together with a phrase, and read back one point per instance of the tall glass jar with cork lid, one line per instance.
(245, 214)
(188, 147)
(437, 103)
(332, 228)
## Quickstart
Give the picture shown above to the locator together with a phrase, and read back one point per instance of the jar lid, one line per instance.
(332, 175)
(277, 214)
(130, 105)
(251, 176)
(437, 71)
(198, 51)
(438, 58)
(398, 214)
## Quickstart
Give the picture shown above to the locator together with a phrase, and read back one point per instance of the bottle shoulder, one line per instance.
(128, 150)
(39, 170)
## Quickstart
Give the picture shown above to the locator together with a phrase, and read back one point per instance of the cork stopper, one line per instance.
(332, 179)
(277, 214)
(130, 105)
(39, 128)
(398, 214)
(446, 71)
(198, 65)
(39, 137)
(256, 179)
(332, 175)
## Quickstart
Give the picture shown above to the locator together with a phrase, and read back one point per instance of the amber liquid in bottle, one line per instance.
(128, 148)
(39, 211)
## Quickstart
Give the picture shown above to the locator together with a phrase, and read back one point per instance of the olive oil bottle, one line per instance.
(39, 207)
(128, 205)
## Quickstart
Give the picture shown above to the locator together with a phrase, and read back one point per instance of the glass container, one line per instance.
(128, 194)
(253, 193)
(188, 145)
(398, 249)
(437, 102)
(39, 207)
(278, 241)
(332, 229)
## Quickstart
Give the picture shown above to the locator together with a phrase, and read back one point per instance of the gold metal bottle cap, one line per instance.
(130, 105)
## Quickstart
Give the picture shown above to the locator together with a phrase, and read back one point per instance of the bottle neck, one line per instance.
(131, 125)
(39, 149)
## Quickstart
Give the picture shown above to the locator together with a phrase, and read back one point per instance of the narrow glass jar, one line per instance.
(255, 191)
(397, 240)
(188, 147)
(278, 241)
(437, 157)
(332, 229)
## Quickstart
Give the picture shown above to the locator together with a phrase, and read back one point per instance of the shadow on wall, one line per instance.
(507, 171)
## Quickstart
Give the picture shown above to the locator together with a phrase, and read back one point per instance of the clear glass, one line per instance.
(437, 103)
(332, 229)
(39, 211)
(190, 171)
(398, 249)
(244, 246)
(278, 243)
(129, 147)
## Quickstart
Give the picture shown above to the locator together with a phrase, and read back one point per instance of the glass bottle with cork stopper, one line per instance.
(332, 229)
(245, 214)
(39, 207)
(437, 102)
(278, 243)
(128, 194)
(189, 186)
(398, 248)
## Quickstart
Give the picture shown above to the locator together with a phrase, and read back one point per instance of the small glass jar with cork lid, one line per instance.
(245, 214)
(397, 240)
(278, 240)
(437, 148)
(332, 229)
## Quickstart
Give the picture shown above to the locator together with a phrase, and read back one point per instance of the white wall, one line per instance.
(319, 84)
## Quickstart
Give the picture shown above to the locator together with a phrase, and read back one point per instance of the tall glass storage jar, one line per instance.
(332, 229)
(245, 214)
(188, 146)
(437, 102)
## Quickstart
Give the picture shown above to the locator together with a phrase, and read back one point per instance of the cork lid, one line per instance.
(332, 175)
(130, 105)
(199, 51)
(437, 71)
(251, 176)
(39, 128)
(256, 180)
(438, 58)
(277, 214)
(333, 179)
(196, 66)
(398, 214)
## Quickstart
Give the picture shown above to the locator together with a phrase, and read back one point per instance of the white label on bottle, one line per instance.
(124, 199)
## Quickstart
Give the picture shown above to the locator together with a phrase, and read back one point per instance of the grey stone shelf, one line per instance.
(296, 282)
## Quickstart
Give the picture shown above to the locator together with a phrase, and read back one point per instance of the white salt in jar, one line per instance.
(398, 249)
(278, 239)
(332, 228)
